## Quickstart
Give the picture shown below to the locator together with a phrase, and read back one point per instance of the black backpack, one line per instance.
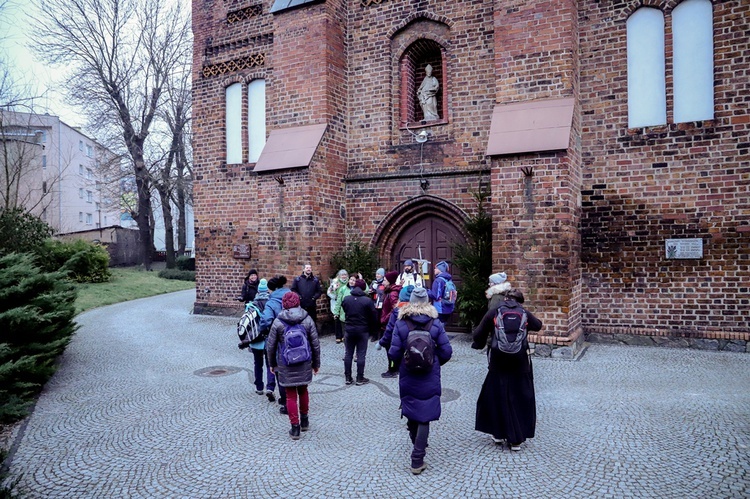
(509, 321)
(419, 350)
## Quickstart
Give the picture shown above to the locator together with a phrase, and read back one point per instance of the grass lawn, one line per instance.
(126, 284)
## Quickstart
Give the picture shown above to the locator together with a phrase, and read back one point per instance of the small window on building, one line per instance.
(89, 151)
(80, 216)
(693, 41)
(89, 173)
(80, 145)
(80, 170)
(89, 219)
(234, 123)
(44, 161)
(256, 119)
(80, 193)
(647, 99)
(97, 206)
(44, 187)
(44, 136)
(105, 220)
(89, 197)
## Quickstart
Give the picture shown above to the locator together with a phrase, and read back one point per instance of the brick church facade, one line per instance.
(612, 135)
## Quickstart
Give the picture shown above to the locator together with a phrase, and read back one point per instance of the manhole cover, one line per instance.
(217, 371)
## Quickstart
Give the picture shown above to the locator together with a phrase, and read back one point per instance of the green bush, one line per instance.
(21, 232)
(36, 323)
(179, 275)
(82, 260)
(357, 257)
(185, 263)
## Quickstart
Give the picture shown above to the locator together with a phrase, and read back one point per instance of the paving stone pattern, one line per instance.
(151, 401)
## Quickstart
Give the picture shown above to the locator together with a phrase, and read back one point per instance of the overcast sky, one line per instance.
(15, 27)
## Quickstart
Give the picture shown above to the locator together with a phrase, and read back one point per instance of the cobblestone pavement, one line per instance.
(151, 401)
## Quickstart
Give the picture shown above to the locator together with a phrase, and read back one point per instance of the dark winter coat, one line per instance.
(385, 341)
(506, 407)
(249, 290)
(437, 292)
(390, 301)
(499, 361)
(360, 313)
(273, 307)
(299, 374)
(420, 393)
(308, 289)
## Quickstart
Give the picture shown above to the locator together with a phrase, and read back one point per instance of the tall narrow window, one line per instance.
(234, 123)
(647, 100)
(44, 161)
(256, 119)
(693, 32)
(44, 187)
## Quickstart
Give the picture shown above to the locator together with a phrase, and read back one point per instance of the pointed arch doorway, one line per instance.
(426, 226)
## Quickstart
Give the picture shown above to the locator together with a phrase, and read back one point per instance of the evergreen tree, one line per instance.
(36, 323)
(21, 232)
(475, 261)
(357, 257)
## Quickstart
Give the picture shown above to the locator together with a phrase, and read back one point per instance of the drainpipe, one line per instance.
(59, 177)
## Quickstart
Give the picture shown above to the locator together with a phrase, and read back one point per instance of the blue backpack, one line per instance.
(450, 294)
(294, 347)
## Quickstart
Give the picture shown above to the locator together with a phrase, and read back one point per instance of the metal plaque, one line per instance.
(684, 249)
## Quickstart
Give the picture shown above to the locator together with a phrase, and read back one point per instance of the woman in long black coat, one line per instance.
(506, 408)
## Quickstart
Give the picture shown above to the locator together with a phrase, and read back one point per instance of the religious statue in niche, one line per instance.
(427, 94)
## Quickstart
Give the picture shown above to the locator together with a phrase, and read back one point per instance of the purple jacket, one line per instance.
(420, 393)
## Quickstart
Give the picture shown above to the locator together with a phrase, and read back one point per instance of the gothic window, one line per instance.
(693, 42)
(256, 119)
(647, 101)
(414, 70)
(234, 123)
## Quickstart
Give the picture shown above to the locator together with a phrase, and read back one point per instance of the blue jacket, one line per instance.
(437, 291)
(273, 307)
(420, 392)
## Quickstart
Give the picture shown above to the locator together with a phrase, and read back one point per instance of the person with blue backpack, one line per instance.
(443, 293)
(270, 312)
(258, 348)
(293, 352)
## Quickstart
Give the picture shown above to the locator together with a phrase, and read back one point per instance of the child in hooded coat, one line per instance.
(420, 392)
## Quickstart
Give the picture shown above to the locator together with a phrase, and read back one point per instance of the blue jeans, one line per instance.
(259, 358)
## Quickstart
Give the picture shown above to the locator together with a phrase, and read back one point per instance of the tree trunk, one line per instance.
(166, 213)
(144, 212)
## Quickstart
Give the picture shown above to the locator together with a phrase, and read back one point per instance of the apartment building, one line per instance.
(56, 172)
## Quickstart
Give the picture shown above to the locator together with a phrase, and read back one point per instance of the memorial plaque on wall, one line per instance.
(241, 251)
(684, 249)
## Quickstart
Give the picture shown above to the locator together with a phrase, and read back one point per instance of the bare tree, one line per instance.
(121, 55)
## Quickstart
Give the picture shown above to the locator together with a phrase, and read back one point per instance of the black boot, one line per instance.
(294, 432)
(304, 422)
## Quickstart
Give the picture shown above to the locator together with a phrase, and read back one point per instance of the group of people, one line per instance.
(387, 310)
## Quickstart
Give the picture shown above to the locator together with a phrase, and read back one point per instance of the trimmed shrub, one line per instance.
(185, 263)
(36, 323)
(82, 260)
(21, 232)
(179, 275)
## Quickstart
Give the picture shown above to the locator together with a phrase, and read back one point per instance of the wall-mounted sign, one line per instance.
(241, 251)
(684, 249)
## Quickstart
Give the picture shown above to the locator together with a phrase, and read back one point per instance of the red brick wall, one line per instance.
(536, 216)
(642, 186)
(583, 236)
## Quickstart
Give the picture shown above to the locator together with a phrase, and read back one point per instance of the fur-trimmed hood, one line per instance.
(497, 289)
(413, 309)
